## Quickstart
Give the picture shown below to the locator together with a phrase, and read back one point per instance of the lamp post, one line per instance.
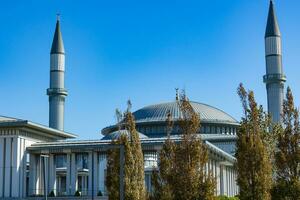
(45, 174)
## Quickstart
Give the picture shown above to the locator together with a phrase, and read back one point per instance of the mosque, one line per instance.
(36, 160)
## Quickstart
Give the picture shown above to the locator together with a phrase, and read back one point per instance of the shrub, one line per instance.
(77, 194)
(223, 197)
(99, 194)
(51, 194)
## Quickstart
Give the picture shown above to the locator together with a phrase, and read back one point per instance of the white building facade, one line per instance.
(36, 160)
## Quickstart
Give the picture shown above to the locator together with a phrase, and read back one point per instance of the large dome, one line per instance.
(159, 112)
(151, 120)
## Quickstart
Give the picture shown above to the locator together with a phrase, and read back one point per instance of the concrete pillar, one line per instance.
(23, 175)
(101, 172)
(221, 179)
(90, 166)
(93, 173)
(32, 175)
(218, 178)
(228, 180)
(73, 174)
(52, 175)
(96, 171)
(40, 176)
(2, 154)
(225, 181)
(8, 163)
(15, 167)
(230, 186)
(68, 175)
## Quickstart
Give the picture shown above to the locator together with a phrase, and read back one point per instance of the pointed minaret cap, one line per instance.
(57, 44)
(272, 24)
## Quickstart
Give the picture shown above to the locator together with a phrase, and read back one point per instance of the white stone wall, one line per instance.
(13, 166)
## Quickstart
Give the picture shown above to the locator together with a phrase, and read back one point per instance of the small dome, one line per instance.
(159, 112)
(116, 134)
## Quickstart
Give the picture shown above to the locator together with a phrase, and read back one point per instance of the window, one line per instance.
(213, 129)
(61, 161)
(202, 129)
(150, 159)
(61, 182)
(148, 181)
(147, 129)
(82, 161)
(208, 129)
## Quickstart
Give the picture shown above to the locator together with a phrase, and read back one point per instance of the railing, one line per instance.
(62, 91)
(274, 78)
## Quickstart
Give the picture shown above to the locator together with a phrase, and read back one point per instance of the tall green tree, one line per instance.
(253, 159)
(162, 177)
(181, 173)
(287, 155)
(134, 163)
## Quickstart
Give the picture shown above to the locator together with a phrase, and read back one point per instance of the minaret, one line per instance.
(57, 92)
(274, 78)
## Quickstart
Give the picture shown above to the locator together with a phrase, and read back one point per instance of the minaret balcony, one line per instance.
(271, 78)
(57, 91)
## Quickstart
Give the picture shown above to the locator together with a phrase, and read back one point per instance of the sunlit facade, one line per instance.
(37, 160)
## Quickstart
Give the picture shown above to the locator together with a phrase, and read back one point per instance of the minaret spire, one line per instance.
(274, 78)
(57, 91)
(57, 44)
(272, 23)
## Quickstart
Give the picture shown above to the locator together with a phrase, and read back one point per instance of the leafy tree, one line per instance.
(181, 173)
(113, 170)
(287, 156)
(161, 180)
(253, 158)
(134, 163)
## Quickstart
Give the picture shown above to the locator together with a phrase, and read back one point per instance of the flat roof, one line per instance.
(9, 122)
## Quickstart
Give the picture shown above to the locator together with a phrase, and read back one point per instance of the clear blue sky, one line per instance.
(142, 50)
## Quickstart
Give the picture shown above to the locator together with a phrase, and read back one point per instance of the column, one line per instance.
(40, 175)
(101, 172)
(218, 178)
(7, 175)
(32, 174)
(228, 180)
(73, 174)
(52, 175)
(225, 181)
(90, 166)
(221, 179)
(96, 171)
(15, 167)
(93, 173)
(68, 175)
(234, 183)
(2, 157)
(23, 175)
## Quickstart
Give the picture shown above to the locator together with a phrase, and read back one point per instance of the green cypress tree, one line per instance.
(287, 156)
(253, 159)
(134, 163)
(113, 170)
(162, 177)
